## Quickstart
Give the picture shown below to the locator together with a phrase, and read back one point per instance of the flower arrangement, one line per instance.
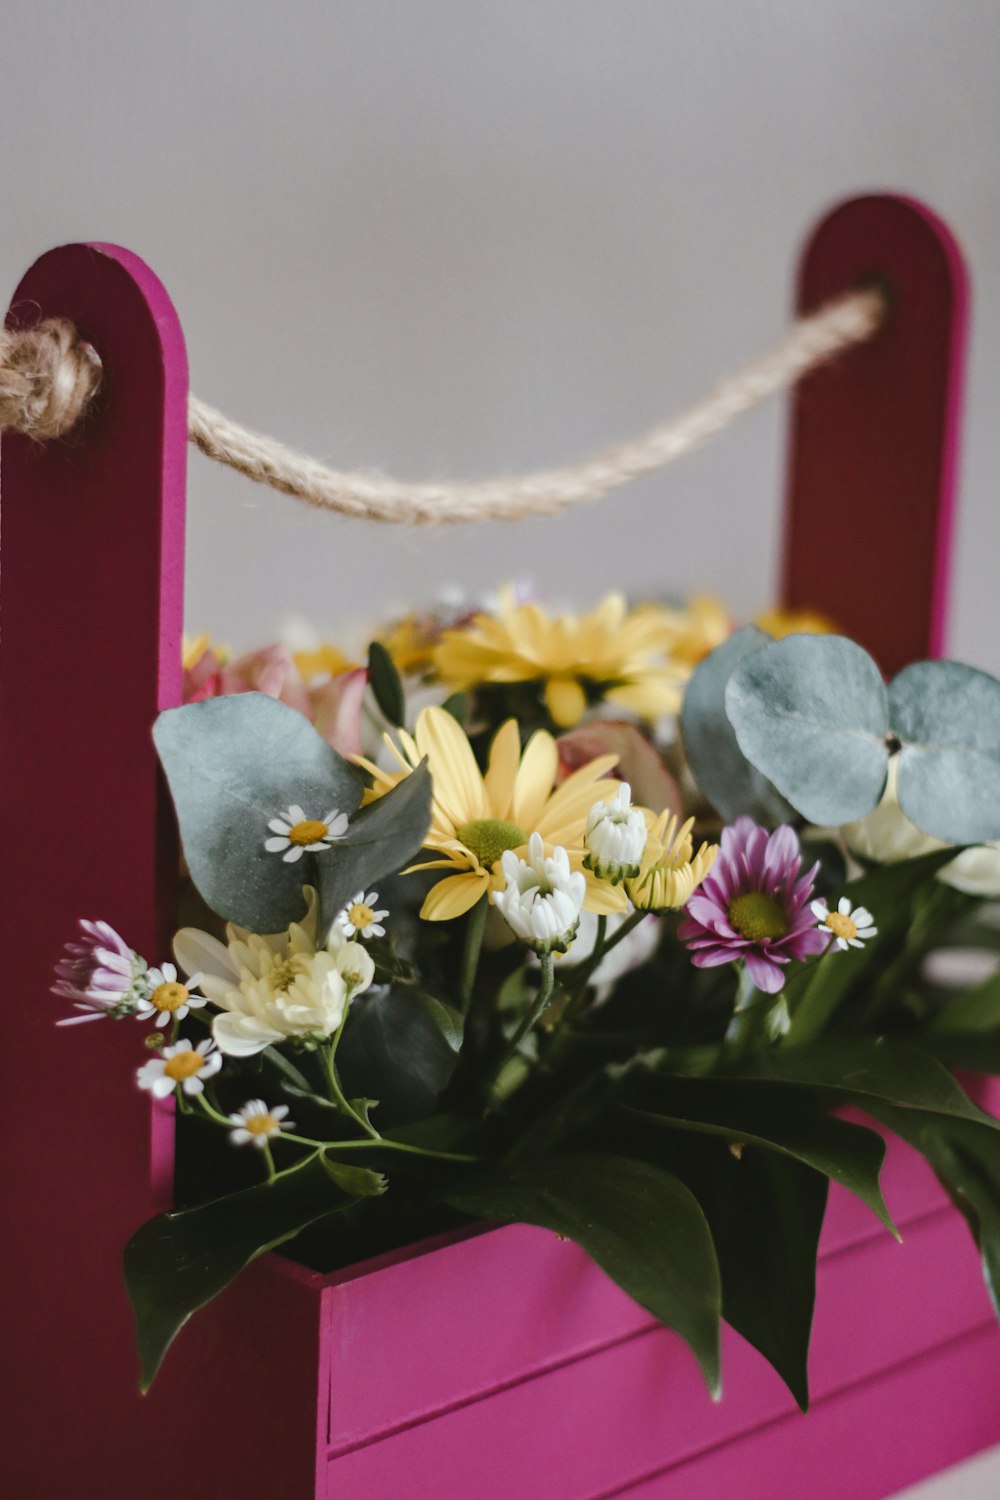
(599, 938)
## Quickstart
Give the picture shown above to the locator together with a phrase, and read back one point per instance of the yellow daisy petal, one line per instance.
(454, 896)
(535, 779)
(565, 701)
(501, 774)
(458, 782)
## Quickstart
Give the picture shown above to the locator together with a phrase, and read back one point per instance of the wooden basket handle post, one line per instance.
(91, 584)
(874, 435)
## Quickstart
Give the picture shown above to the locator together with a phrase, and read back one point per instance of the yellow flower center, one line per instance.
(284, 975)
(756, 916)
(260, 1124)
(487, 838)
(309, 832)
(841, 926)
(169, 996)
(183, 1065)
(359, 915)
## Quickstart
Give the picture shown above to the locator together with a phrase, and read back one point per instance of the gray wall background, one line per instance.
(466, 236)
(463, 236)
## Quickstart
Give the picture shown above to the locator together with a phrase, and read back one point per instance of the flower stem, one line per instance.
(473, 947)
(329, 1055)
(541, 1001)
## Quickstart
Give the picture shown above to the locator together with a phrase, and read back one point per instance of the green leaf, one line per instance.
(400, 1046)
(177, 1262)
(382, 838)
(233, 764)
(966, 1159)
(948, 719)
(722, 771)
(383, 679)
(358, 1182)
(782, 1118)
(977, 1009)
(866, 1068)
(810, 712)
(640, 1224)
(815, 993)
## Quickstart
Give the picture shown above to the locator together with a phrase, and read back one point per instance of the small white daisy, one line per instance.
(851, 929)
(180, 1064)
(169, 998)
(298, 835)
(360, 919)
(256, 1124)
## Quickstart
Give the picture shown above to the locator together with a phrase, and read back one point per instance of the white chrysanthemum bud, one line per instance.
(615, 837)
(543, 897)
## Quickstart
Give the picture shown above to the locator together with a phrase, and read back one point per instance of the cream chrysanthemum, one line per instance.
(476, 817)
(614, 653)
(671, 870)
(277, 988)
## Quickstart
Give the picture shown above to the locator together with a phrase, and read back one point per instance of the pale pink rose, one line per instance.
(639, 762)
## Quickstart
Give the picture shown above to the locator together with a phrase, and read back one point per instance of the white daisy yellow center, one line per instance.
(841, 926)
(260, 1124)
(169, 996)
(183, 1065)
(487, 838)
(756, 916)
(360, 916)
(308, 832)
(283, 975)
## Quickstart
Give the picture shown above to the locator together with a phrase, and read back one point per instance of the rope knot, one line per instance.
(49, 376)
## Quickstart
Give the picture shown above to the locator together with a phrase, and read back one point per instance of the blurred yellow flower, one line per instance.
(780, 622)
(618, 653)
(476, 817)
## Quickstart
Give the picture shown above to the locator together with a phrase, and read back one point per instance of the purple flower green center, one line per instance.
(757, 915)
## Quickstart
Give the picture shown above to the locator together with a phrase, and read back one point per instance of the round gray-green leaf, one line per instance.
(726, 777)
(811, 713)
(233, 764)
(948, 719)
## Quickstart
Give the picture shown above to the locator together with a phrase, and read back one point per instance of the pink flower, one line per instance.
(754, 906)
(639, 761)
(101, 975)
(333, 705)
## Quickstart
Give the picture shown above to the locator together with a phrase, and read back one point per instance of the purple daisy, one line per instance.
(754, 906)
(101, 974)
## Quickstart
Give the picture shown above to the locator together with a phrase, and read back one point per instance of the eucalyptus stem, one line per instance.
(376, 1143)
(474, 928)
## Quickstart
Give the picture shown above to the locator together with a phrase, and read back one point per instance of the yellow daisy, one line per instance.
(779, 622)
(671, 871)
(475, 817)
(621, 654)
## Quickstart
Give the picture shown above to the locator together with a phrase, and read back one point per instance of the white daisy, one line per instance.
(169, 998)
(850, 928)
(360, 919)
(298, 835)
(543, 897)
(615, 836)
(256, 1124)
(181, 1065)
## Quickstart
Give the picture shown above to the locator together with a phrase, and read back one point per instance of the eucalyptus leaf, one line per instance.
(233, 764)
(781, 1118)
(947, 717)
(722, 771)
(179, 1261)
(810, 712)
(381, 839)
(383, 679)
(641, 1225)
(400, 1046)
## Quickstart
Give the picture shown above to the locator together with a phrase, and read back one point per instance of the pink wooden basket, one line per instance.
(499, 1363)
